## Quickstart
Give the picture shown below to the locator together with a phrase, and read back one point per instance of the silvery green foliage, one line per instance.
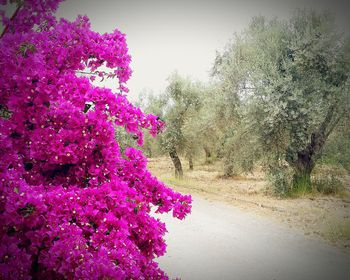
(291, 80)
(337, 149)
(183, 101)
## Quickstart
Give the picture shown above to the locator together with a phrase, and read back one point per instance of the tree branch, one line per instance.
(97, 73)
(19, 6)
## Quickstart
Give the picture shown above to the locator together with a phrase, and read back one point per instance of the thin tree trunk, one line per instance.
(177, 163)
(228, 166)
(149, 151)
(190, 161)
(228, 171)
(207, 154)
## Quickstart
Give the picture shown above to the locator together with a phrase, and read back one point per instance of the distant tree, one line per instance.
(209, 124)
(292, 79)
(199, 128)
(182, 101)
(153, 104)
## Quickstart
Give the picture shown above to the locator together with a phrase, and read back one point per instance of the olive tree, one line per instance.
(183, 101)
(292, 78)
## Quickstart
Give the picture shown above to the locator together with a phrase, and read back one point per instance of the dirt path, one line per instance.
(218, 241)
(322, 216)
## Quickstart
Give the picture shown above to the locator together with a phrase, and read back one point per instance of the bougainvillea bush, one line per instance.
(73, 205)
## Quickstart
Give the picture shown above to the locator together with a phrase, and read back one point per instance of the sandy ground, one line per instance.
(218, 241)
(315, 216)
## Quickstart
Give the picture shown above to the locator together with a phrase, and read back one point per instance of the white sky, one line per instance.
(183, 35)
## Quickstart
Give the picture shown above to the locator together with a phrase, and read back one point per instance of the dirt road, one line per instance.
(218, 241)
(324, 216)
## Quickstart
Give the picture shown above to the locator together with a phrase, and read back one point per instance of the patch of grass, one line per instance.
(301, 186)
(183, 182)
(302, 190)
(325, 184)
(330, 186)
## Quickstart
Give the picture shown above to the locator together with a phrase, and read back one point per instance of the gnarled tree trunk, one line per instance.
(177, 163)
(303, 167)
(304, 162)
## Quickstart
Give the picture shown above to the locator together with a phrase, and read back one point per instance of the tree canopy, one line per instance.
(292, 79)
(279, 98)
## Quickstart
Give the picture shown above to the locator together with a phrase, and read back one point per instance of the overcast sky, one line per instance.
(183, 35)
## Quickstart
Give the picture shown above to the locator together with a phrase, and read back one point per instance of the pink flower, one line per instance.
(73, 205)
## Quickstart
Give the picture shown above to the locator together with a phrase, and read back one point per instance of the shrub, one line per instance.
(328, 184)
(280, 178)
(73, 204)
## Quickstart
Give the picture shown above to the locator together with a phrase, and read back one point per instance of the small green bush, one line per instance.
(328, 184)
(280, 179)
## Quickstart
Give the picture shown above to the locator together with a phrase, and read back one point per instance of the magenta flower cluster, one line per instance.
(73, 205)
